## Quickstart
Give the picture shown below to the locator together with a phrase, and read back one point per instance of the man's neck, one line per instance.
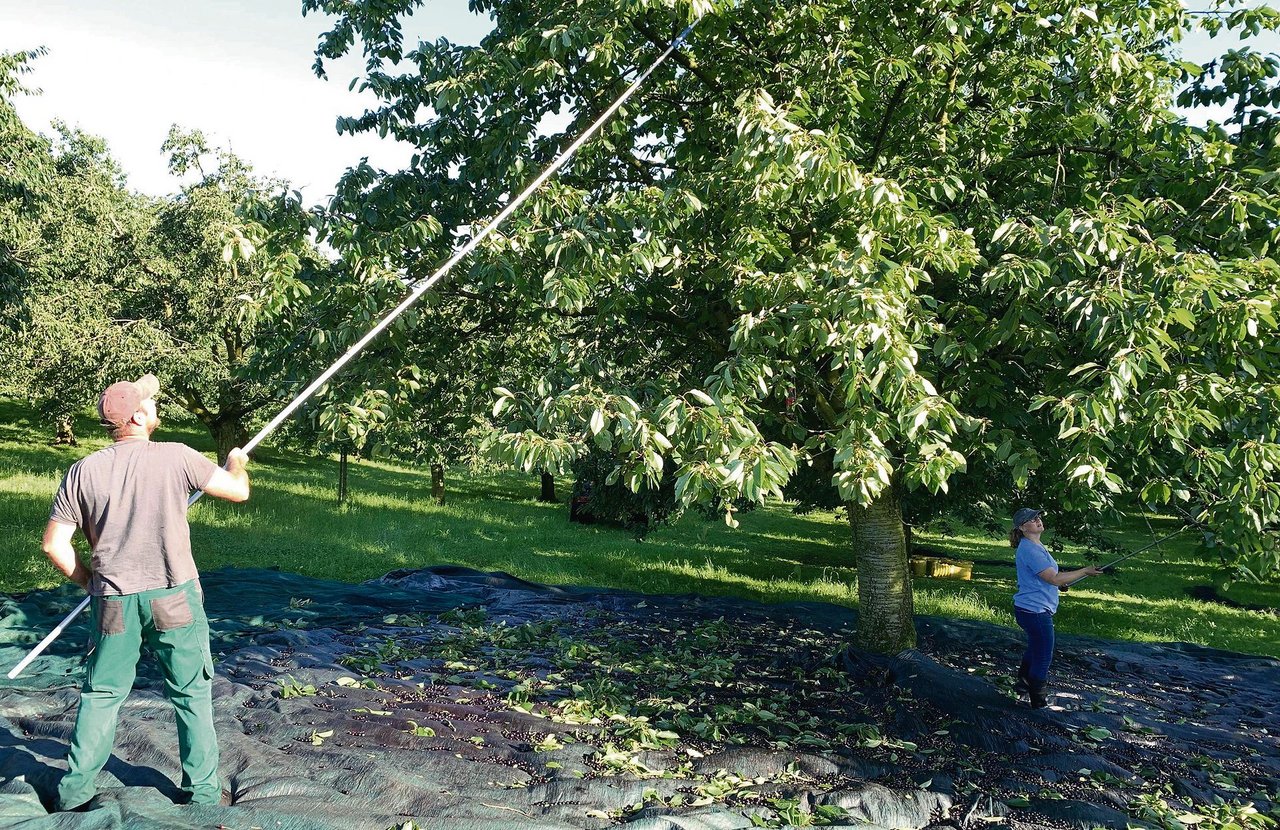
(132, 437)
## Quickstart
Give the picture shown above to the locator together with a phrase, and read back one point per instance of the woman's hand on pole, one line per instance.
(1069, 578)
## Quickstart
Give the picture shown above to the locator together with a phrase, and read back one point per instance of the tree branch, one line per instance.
(894, 101)
(678, 56)
(190, 400)
(587, 311)
(1079, 148)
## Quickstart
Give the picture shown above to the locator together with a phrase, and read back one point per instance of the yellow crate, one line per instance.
(952, 569)
(922, 566)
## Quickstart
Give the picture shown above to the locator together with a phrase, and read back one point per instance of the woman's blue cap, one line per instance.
(1025, 514)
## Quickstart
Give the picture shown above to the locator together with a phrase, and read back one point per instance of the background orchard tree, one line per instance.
(227, 266)
(25, 165)
(422, 392)
(69, 230)
(78, 337)
(898, 246)
(102, 283)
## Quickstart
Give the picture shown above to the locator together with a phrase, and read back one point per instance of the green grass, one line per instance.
(493, 522)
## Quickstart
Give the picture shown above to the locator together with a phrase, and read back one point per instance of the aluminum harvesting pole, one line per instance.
(1131, 554)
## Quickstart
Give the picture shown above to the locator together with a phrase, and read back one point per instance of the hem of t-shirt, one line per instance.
(1029, 611)
(63, 521)
(143, 590)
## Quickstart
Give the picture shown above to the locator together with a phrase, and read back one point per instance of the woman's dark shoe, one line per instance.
(1039, 693)
(1022, 684)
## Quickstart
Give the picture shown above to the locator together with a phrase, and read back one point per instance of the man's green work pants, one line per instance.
(171, 621)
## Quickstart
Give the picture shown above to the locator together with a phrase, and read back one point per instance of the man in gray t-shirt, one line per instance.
(130, 501)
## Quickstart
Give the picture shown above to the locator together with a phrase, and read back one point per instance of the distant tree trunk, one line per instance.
(64, 431)
(909, 538)
(886, 614)
(548, 488)
(342, 477)
(228, 433)
(437, 483)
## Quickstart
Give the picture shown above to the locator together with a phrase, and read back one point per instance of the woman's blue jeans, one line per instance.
(1039, 654)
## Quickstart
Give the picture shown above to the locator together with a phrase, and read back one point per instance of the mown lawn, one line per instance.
(493, 522)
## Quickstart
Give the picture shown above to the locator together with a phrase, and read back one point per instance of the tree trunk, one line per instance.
(342, 477)
(64, 431)
(228, 433)
(886, 623)
(548, 488)
(437, 483)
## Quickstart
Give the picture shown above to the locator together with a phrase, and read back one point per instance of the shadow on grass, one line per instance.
(40, 459)
(362, 541)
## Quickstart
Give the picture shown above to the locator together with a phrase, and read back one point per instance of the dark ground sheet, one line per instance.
(457, 699)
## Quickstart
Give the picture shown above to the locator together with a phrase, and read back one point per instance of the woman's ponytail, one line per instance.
(1015, 536)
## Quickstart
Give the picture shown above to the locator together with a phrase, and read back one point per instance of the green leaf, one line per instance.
(1184, 317)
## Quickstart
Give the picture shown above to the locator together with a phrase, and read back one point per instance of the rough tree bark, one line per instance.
(226, 424)
(886, 613)
(437, 483)
(342, 477)
(228, 433)
(64, 431)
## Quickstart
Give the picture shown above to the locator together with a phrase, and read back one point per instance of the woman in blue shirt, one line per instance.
(1039, 581)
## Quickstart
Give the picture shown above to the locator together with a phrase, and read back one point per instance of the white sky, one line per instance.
(240, 70)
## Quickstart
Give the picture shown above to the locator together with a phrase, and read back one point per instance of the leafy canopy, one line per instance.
(909, 247)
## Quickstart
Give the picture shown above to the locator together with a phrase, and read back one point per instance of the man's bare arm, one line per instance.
(57, 546)
(231, 483)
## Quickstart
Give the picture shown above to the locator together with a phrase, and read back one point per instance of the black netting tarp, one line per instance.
(452, 698)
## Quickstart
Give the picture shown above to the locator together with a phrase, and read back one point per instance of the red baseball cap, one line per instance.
(121, 400)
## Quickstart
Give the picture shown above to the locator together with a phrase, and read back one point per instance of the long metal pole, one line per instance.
(420, 289)
(49, 638)
(1131, 554)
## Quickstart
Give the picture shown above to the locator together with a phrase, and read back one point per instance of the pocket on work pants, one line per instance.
(171, 611)
(180, 637)
(110, 616)
(113, 644)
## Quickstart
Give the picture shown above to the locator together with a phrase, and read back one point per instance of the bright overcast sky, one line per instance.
(240, 70)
